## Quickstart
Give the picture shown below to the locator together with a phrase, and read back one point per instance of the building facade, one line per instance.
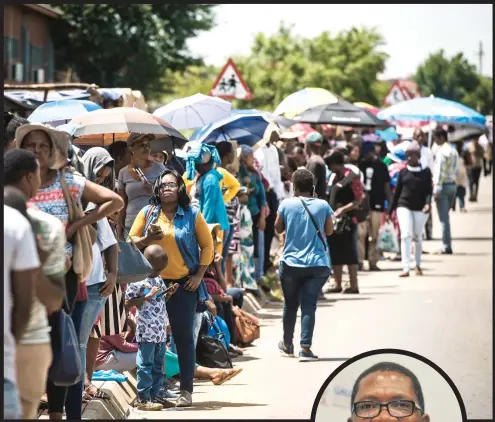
(29, 53)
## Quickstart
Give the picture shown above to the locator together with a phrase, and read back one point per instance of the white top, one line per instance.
(104, 239)
(19, 254)
(267, 156)
(426, 158)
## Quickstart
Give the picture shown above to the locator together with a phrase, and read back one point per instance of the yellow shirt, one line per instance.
(176, 267)
(229, 182)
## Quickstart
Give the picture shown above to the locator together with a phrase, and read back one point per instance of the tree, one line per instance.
(129, 45)
(346, 64)
(455, 79)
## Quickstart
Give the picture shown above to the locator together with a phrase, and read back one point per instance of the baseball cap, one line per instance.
(314, 138)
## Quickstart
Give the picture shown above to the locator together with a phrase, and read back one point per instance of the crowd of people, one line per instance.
(214, 222)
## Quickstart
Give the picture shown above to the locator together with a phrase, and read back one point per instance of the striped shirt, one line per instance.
(446, 163)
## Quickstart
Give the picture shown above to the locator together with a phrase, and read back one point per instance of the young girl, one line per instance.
(149, 298)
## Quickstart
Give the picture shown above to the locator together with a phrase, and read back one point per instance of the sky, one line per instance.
(411, 31)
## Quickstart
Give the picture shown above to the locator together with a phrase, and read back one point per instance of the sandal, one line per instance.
(227, 376)
(97, 394)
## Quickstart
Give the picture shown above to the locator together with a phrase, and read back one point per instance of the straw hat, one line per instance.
(61, 142)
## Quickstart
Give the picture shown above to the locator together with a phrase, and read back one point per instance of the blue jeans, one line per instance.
(260, 260)
(94, 305)
(181, 309)
(150, 361)
(444, 204)
(11, 401)
(237, 295)
(301, 286)
(228, 235)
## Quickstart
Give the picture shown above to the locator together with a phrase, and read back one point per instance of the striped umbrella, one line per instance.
(372, 109)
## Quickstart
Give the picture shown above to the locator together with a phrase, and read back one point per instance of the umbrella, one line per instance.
(388, 135)
(244, 128)
(301, 100)
(433, 109)
(372, 109)
(341, 113)
(123, 120)
(465, 133)
(62, 111)
(195, 111)
(282, 122)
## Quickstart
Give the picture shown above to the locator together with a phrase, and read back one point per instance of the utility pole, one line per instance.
(480, 55)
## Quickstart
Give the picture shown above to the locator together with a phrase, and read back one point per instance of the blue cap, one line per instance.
(313, 138)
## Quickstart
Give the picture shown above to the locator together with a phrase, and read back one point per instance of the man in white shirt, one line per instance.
(21, 267)
(268, 158)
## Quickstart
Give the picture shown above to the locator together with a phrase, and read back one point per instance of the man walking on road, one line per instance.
(444, 185)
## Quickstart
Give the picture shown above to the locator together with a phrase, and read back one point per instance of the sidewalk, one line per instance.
(445, 316)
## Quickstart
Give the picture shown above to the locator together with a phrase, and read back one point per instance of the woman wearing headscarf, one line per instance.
(98, 168)
(50, 147)
(412, 199)
(181, 230)
(250, 177)
(135, 181)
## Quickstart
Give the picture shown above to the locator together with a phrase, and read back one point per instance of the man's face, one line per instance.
(384, 387)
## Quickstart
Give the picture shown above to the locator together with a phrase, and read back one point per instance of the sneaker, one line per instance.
(286, 351)
(147, 406)
(374, 267)
(171, 386)
(162, 401)
(237, 350)
(184, 400)
(307, 356)
(167, 394)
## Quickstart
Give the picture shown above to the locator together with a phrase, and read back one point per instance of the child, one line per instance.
(151, 331)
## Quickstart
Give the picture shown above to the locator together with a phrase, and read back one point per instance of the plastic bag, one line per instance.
(387, 239)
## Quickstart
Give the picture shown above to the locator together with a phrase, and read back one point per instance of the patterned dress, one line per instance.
(244, 261)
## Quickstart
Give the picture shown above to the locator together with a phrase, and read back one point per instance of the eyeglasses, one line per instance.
(396, 408)
(170, 185)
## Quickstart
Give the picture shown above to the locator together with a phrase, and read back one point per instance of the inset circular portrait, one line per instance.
(388, 385)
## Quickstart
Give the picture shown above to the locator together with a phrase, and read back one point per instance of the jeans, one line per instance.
(149, 362)
(444, 204)
(228, 235)
(461, 195)
(260, 261)
(71, 396)
(301, 286)
(411, 229)
(94, 305)
(181, 309)
(198, 321)
(237, 295)
(11, 401)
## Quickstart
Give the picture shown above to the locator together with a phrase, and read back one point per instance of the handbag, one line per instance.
(247, 326)
(65, 369)
(132, 265)
(212, 353)
(343, 223)
(84, 238)
(318, 232)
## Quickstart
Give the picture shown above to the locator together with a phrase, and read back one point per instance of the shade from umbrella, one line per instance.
(342, 113)
(122, 120)
(304, 99)
(195, 111)
(433, 109)
(62, 111)
(246, 129)
(372, 109)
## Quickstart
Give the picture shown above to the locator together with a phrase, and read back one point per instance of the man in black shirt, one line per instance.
(315, 163)
(377, 187)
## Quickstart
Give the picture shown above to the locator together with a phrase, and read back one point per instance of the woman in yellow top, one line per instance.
(182, 231)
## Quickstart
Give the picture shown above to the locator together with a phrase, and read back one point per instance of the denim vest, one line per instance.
(184, 224)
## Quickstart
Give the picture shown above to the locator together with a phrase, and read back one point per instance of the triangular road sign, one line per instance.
(230, 85)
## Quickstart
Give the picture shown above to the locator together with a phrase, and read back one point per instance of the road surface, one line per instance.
(445, 316)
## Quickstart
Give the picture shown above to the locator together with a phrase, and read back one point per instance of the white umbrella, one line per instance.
(195, 111)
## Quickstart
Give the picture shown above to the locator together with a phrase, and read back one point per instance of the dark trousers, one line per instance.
(224, 311)
(487, 166)
(301, 286)
(460, 194)
(237, 295)
(474, 182)
(272, 201)
(181, 309)
(71, 396)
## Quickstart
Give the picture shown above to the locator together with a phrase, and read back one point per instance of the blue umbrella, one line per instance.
(62, 111)
(388, 135)
(246, 129)
(433, 109)
(283, 122)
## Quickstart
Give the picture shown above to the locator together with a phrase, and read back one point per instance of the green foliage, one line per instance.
(455, 79)
(128, 45)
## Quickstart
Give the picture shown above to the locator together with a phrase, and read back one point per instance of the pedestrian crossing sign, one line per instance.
(229, 84)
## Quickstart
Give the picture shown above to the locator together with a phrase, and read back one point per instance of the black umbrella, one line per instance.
(464, 133)
(342, 113)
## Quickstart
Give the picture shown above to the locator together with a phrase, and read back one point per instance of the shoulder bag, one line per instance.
(84, 238)
(212, 353)
(247, 326)
(318, 232)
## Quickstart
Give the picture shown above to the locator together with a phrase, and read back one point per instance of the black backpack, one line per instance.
(212, 353)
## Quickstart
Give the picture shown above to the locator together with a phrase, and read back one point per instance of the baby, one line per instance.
(149, 297)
